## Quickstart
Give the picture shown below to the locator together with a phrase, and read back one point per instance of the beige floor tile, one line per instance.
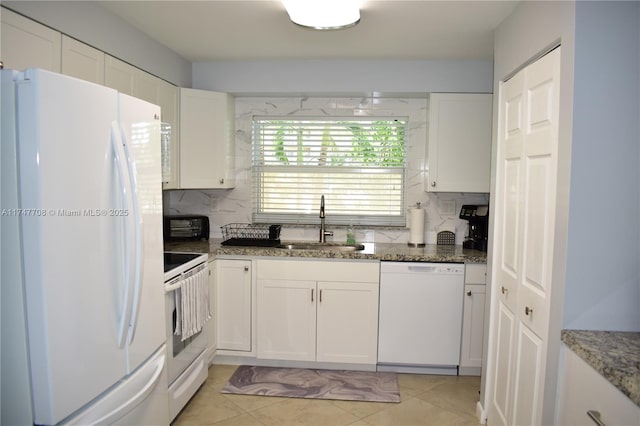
(415, 412)
(221, 373)
(362, 409)
(425, 400)
(303, 412)
(453, 396)
(419, 382)
(207, 407)
(242, 420)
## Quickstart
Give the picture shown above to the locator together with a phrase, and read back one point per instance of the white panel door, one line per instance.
(28, 44)
(347, 329)
(500, 399)
(140, 123)
(287, 320)
(74, 274)
(525, 202)
(82, 61)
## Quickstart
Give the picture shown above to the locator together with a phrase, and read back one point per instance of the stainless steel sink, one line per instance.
(322, 246)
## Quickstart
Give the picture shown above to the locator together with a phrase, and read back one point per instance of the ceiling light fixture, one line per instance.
(324, 14)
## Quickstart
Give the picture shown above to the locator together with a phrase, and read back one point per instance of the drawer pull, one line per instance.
(595, 416)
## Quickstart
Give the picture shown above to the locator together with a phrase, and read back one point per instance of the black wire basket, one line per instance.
(249, 234)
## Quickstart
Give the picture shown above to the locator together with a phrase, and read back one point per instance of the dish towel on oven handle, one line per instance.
(192, 304)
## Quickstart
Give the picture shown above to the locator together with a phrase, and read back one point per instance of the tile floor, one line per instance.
(425, 400)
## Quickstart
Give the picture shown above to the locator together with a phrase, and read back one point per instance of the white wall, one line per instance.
(331, 77)
(92, 24)
(602, 287)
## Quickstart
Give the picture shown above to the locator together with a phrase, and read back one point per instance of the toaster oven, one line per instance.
(186, 228)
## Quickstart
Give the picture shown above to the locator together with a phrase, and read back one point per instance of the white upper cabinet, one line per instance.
(459, 148)
(28, 44)
(119, 75)
(157, 91)
(82, 61)
(207, 139)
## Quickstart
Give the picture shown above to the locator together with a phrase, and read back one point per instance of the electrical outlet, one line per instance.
(448, 207)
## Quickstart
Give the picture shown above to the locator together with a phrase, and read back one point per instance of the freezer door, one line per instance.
(140, 399)
(140, 125)
(72, 241)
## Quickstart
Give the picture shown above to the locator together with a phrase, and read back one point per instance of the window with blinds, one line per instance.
(358, 164)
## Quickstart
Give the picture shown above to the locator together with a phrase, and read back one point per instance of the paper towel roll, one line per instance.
(416, 226)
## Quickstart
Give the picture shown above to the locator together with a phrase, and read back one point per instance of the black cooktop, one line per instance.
(173, 260)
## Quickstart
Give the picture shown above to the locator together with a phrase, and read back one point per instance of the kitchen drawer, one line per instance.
(475, 273)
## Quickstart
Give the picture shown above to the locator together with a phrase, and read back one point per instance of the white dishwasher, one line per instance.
(420, 321)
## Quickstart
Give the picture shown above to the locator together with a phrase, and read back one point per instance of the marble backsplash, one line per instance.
(232, 206)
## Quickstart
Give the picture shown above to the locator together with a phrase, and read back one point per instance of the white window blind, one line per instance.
(358, 164)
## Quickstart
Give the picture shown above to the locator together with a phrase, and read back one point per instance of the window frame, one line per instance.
(311, 214)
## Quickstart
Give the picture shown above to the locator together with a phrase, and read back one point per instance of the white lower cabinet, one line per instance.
(233, 305)
(473, 320)
(584, 392)
(323, 311)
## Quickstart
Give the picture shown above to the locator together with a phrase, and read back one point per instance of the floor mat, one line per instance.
(319, 384)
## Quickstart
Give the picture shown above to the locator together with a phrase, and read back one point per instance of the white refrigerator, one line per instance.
(83, 338)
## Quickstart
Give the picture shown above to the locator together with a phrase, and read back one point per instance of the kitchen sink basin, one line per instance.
(322, 246)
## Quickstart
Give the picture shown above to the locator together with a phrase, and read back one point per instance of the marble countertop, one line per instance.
(613, 354)
(372, 251)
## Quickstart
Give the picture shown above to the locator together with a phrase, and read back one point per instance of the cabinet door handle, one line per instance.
(433, 183)
(246, 269)
(504, 290)
(320, 299)
(312, 295)
(221, 180)
(595, 416)
(469, 293)
(528, 310)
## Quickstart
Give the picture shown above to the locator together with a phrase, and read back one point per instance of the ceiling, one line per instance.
(218, 30)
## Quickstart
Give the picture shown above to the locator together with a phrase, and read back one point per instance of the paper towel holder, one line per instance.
(417, 244)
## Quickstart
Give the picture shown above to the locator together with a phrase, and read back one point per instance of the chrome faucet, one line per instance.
(323, 230)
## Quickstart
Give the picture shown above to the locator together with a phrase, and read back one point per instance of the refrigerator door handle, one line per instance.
(125, 189)
(138, 240)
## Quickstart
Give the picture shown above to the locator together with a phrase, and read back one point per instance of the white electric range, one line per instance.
(186, 357)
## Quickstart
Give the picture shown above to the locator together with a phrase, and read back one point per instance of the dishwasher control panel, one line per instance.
(422, 267)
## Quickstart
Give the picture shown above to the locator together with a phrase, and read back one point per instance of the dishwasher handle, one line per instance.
(422, 269)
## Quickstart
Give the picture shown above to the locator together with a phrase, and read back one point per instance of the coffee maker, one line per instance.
(478, 217)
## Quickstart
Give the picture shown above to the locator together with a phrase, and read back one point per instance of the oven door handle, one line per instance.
(172, 287)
